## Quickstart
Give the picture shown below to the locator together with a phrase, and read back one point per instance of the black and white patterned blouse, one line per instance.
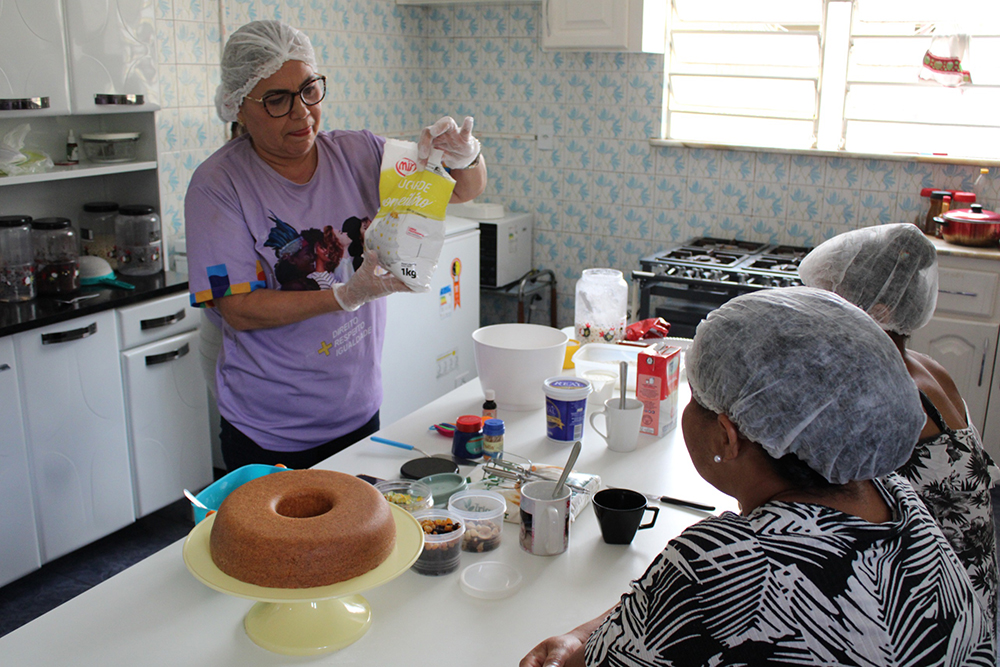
(802, 584)
(953, 475)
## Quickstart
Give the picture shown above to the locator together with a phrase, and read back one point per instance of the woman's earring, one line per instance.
(717, 458)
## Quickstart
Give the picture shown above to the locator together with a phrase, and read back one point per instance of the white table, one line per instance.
(156, 613)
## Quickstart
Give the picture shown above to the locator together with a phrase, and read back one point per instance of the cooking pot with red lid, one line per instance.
(974, 226)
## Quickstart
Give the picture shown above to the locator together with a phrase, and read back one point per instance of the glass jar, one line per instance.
(601, 303)
(97, 230)
(137, 240)
(57, 257)
(17, 259)
(934, 209)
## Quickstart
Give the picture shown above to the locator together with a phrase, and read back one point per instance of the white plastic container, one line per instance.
(601, 306)
(606, 357)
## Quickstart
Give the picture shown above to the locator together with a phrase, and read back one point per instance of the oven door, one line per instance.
(683, 302)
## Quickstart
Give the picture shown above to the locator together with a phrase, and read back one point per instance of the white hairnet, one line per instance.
(254, 52)
(889, 271)
(802, 371)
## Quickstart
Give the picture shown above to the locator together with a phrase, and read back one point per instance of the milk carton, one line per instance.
(656, 386)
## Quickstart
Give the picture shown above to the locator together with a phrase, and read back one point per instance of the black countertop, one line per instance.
(42, 311)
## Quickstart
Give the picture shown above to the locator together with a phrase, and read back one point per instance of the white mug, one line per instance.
(544, 520)
(622, 425)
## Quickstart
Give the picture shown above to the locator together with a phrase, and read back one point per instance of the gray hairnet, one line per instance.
(802, 371)
(889, 271)
(254, 52)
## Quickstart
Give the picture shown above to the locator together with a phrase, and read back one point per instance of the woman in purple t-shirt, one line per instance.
(269, 221)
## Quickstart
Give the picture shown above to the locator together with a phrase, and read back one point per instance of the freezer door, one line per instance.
(428, 336)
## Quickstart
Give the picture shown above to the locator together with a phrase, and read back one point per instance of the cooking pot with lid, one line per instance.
(974, 226)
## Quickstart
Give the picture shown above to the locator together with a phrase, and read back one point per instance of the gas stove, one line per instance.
(694, 278)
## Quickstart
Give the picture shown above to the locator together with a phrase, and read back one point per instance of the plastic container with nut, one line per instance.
(410, 494)
(443, 532)
(483, 513)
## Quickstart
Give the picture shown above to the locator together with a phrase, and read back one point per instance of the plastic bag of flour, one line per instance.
(407, 233)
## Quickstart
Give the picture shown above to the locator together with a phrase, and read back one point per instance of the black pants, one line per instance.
(239, 450)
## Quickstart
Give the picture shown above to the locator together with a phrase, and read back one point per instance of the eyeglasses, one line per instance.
(279, 103)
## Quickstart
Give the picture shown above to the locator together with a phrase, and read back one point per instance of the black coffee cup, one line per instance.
(620, 513)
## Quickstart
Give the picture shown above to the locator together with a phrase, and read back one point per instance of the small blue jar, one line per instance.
(467, 443)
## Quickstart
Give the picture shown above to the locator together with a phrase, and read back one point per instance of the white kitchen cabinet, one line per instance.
(74, 412)
(33, 73)
(112, 53)
(19, 553)
(166, 401)
(967, 350)
(604, 25)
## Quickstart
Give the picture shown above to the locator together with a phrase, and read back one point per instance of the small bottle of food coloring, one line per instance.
(467, 443)
(489, 405)
(493, 439)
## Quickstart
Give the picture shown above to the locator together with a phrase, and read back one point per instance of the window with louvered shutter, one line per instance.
(831, 74)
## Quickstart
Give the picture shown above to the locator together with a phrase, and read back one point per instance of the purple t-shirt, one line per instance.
(298, 386)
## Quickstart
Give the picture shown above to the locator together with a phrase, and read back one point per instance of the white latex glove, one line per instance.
(459, 146)
(368, 283)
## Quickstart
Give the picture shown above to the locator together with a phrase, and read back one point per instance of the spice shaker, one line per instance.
(17, 260)
(493, 430)
(57, 257)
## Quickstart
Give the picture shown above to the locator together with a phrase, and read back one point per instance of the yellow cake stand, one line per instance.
(306, 621)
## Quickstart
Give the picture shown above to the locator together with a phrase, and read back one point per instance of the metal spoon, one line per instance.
(570, 462)
(190, 496)
(623, 374)
(76, 299)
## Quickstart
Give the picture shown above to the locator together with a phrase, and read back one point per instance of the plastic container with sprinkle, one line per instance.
(482, 511)
(137, 240)
(17, 259)
(97, 230)
(565, 408)
(411, 495)
(57, 256)
(467, 443)
(443, 532)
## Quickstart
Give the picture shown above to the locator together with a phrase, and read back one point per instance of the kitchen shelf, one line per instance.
(81, 170)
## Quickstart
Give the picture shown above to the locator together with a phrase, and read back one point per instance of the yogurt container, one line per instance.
(565, 408)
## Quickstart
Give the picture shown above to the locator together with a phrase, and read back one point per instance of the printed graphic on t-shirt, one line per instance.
(218, 278)
(315, 259)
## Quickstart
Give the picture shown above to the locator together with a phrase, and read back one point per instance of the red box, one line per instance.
(656, 384)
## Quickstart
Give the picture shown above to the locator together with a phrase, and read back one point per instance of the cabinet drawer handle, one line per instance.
(24, 103)
(158, 322)
(957, 293)
(71, 335)
(173, 355)
(4, 367)
(131, 100)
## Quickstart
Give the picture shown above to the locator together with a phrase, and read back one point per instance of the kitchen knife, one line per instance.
(667, 500)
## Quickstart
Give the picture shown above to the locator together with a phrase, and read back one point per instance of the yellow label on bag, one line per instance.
(406, 189)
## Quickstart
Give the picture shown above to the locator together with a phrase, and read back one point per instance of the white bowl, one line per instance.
(514, 360)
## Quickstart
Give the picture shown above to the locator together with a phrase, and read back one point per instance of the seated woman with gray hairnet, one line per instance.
(890, 272)
(801, 409)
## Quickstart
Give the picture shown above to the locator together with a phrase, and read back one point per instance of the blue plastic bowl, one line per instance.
(213, 494)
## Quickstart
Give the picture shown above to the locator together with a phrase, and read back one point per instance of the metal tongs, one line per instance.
(510, 470)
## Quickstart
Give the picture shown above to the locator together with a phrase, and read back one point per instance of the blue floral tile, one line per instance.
(771, 168)
(167, 78)
(607, 156)
(669, 192)
(734, 197)
(546, 216)
(189, 40)
(843, 173)
(605, 220)
(878, 175)
(910, 208)
(609, 122)
(737, 166)
(765, 229)
(192, 86)
(840, 207)
(877, 208)
(768, 200)
(702, 163)
(163, 9)
(914, 176)
(523, 21)
(578, 184)
(165, 49)
(638, 189)
(607, 187)
(189, 10)
(804, 203)
(702, 195)
(807, 170)
(667, 228)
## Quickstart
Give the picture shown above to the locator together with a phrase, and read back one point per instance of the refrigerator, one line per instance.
(428, 336)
